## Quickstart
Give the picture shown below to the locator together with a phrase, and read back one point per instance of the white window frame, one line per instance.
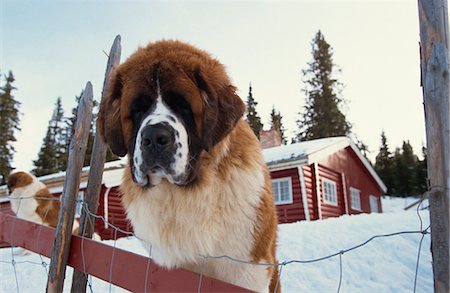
(333, 200)
(355, 198)
(276, 192)
(79, 207)
(373, 198)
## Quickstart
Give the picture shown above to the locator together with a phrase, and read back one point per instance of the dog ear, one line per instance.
(108, 122)
(223, 109)
(18, 179)
(11, 181)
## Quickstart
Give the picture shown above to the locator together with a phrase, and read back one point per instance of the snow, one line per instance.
(112, 178)
(301, 150)
(393, 203)
(383, 265)
(108, 165)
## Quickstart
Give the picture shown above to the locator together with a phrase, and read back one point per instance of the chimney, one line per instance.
(270, 138)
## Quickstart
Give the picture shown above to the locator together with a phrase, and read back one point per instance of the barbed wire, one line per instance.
(204, 258)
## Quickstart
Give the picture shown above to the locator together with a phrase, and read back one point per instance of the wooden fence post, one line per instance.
(61, 245)
(79, 280)
(435, 69)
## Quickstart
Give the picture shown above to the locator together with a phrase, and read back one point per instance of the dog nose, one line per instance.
(157, 137)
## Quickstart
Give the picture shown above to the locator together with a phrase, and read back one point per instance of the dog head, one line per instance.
(18, 180)
(165, 105)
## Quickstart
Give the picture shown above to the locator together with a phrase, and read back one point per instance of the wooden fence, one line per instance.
(126, 269)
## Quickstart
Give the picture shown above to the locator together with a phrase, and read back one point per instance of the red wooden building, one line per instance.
(322, 178)
(311, 180)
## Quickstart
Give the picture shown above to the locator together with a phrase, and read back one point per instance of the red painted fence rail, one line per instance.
(128, 269)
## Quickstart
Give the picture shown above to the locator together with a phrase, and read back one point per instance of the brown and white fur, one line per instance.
(29, 200)
(202, 188)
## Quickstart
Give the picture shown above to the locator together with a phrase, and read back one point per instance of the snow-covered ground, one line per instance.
(383, 265)
(395, 204)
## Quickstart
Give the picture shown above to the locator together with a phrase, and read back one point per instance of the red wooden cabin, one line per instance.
(322, 178)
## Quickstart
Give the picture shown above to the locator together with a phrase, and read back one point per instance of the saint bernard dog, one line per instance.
(196, 183)
(32, 201)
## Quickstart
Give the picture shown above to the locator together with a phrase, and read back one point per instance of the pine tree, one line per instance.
(52, 156)
(384, 164)
(364, 148)
(421, 173)
(252, 116)
(405, 163)
(322, 116)
(398, 173)
(9, 124)
(410, 162)
(276, 123)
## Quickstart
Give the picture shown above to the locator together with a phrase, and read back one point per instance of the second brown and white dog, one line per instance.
(31, 200)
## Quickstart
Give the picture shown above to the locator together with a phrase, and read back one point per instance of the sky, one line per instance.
(55, 47)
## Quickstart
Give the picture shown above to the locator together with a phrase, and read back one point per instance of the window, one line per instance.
(329, 191)
(79, 204)
(282, 190)
(355, 199)
(373, 204)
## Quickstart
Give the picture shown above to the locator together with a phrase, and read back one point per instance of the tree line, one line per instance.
(53, 154)
(402, 171)
(322, 116)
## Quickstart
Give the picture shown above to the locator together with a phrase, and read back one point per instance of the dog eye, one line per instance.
(138, 108)
(178, 103)
(181, 106)
(184, 106)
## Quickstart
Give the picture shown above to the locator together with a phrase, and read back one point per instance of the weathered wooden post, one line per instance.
(61, 245)
(79, 279)
(435, 68)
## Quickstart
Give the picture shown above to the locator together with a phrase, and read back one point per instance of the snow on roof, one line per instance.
(112, 178)
(117, 164)
(301, 151)
(108, 165)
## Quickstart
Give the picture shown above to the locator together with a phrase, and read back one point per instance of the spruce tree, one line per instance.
(322, 116)
(364, 148)
(276, 123)
(252, 115)
(398, 173)
(405, 163)
(9, 124)
(52, 156)
(421, 173)
(410, 163)
(384, 164)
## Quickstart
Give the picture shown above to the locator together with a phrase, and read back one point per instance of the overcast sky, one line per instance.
(55, 47)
